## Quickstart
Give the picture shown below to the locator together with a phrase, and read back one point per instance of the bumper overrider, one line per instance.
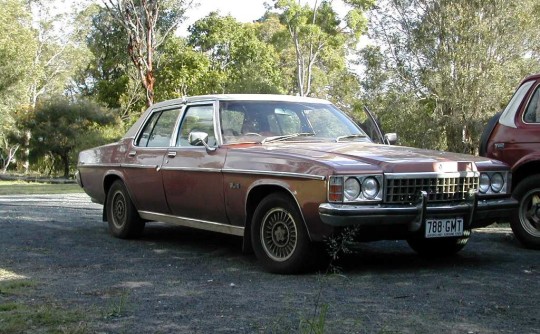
(477, 212)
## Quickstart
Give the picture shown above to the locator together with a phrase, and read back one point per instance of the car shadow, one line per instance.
(380, 256)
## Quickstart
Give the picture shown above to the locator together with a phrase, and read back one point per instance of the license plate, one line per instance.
(442, 228)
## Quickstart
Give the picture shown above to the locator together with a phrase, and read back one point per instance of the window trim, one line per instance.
(179, 107)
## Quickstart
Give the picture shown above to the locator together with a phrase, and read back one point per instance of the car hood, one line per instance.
(353, 156)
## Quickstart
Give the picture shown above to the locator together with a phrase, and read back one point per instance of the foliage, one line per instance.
(239, 62)
(443, 67)
(147, 25)
(319, 37)
(59, 127)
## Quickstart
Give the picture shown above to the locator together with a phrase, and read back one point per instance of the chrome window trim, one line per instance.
(193, 223)
(82, 164)
(272, 173)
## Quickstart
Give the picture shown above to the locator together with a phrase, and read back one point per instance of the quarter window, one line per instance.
(532, 114)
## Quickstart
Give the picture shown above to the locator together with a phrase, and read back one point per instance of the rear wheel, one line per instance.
(280, 240)
(438, 247)
(122, 217)
(525, 222)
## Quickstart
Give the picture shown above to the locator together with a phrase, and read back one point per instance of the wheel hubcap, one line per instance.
(278, 234)
(529, 212)
(119, 209)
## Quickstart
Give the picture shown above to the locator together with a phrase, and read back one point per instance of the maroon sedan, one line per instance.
(287, 174)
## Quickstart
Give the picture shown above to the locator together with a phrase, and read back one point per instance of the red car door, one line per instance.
(192, 173)
(144, 161)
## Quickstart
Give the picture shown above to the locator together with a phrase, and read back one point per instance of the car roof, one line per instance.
(239, 97)
(220, 97)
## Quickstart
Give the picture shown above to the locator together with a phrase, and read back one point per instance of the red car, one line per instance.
(286, 174)
(513, 136)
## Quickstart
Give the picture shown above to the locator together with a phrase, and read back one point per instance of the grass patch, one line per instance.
(17, 316)
(16, 287)
(31, 188)
(21, 318)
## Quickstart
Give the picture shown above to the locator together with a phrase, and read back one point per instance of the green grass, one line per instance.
(17, 316)
(29, 188)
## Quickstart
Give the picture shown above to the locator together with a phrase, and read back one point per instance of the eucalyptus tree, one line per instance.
(147, 24)
(319, 37)
(444, 66)
(239, 61)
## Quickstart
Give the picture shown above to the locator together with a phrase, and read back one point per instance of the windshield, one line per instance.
(255, 121)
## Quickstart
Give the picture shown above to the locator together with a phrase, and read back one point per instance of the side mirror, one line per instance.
(391, 138)
(198, 138)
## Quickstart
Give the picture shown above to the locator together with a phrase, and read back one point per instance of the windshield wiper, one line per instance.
(285, 137)
(357, 135)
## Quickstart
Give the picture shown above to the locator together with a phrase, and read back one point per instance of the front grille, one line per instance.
(438, 189)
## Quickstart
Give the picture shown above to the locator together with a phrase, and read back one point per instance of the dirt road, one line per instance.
(176, 280)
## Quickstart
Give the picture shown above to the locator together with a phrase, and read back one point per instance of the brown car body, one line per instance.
(513, 136)
(229, 185)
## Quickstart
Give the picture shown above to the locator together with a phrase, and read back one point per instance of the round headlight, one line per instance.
(370, 187)
(497, 182)
(352, 189)
(485, 183)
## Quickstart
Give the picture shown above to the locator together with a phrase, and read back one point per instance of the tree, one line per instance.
(238, 60)
(147, 24)
(319, 36)
(446, 66)
(59, 126)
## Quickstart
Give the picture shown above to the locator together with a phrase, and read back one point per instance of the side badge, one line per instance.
(234, 185)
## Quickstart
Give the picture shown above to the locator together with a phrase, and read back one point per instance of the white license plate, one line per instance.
(446, 227)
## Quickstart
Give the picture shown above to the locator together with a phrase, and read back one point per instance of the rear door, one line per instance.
(144, 160)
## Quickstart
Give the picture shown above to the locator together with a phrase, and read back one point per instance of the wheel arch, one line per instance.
(524, 170)
(108, 181)
(255, 195)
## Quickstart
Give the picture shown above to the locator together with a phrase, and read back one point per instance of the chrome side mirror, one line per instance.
(197, 138)
(391, 138)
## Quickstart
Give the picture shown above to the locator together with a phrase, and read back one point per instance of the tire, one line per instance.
(122, 216)
(525, 222)
(438, 247)
(280, 240)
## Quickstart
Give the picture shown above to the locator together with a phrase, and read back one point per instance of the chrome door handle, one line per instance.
(132, 153)
(171, 154)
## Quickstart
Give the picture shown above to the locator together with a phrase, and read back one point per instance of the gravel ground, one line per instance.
(176, 280)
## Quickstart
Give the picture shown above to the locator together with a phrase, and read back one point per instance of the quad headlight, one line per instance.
(359, 188)
(492, 183)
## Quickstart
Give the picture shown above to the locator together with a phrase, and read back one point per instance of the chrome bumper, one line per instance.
(477, 213)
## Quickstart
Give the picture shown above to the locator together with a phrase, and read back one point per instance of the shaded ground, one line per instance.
(176, 280)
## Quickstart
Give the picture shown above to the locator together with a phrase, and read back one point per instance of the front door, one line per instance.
(192, 173)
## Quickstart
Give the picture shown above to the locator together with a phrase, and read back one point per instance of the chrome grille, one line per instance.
(438, 189)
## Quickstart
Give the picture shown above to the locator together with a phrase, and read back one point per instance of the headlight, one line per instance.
(370, 187)
(352, 189)
(484, 183)
(497, 182)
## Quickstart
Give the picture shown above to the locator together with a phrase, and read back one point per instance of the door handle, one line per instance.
(132, 153)
(171, 154)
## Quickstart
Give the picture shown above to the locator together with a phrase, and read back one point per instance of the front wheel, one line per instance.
(122, 216)
(525, 222)
(438, 247)
(279, 238)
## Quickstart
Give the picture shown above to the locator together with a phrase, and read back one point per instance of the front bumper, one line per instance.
(477, 213)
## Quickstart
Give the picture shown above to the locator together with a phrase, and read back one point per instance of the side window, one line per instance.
(532, 113)
(197, 119)
(158, 129)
